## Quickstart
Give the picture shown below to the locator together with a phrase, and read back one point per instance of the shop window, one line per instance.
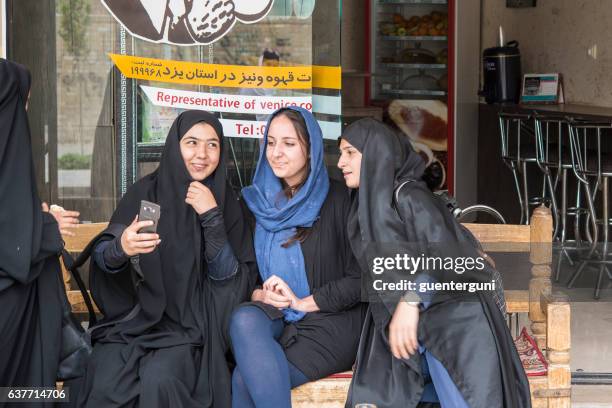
(95, 131)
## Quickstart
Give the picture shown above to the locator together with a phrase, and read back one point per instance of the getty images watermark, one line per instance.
(430, 268)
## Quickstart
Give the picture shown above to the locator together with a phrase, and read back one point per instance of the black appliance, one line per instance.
(502, 74)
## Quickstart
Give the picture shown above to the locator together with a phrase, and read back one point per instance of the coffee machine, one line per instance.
(502, 72)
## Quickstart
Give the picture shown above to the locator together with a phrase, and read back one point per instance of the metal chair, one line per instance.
(553, 156)
(593, 168)
(518, 148)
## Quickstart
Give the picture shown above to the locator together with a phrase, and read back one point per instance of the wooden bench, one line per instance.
(549, 313)
(84, 234)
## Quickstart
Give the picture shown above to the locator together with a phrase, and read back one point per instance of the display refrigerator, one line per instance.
(423, 61)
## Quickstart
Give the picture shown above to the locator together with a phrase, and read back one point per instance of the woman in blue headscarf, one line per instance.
(304, 320)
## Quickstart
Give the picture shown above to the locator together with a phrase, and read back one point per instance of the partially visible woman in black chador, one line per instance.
(30, 242)
(448, 348)
(168, 295)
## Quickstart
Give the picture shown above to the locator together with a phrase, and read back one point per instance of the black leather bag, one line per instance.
(76, 342)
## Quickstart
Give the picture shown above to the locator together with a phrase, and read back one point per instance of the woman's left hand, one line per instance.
(66, 220)
(403, 330)
(276, 284)
(200, 197)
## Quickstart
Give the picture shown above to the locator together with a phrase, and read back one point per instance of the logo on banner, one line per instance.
(185, 22)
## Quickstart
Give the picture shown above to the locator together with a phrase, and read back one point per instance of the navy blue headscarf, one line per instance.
(278, 217)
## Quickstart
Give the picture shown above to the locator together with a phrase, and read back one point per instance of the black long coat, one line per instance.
(465, 332)
(325, 342)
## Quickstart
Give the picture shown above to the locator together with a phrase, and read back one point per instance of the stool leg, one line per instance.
(525, 193)
(558, 267)
(577, 232)
(517, 185)
(593, 217)
(599, 279)
(604, 250)
(563, 229)
(591, 207)
(606, 217)
(563, 223)
(564, 217)
(563, 205)
(553, 202)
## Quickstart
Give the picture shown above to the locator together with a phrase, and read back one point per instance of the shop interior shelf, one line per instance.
(404, 65)
(412, 92)
(414, 38)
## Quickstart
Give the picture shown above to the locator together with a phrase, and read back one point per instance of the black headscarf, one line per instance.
(166, 271)
(21, 215)
(388, 161)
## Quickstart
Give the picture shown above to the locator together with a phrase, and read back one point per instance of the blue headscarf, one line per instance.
(278, 217)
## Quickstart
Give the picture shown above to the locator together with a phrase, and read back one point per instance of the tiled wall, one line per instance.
(555, 37)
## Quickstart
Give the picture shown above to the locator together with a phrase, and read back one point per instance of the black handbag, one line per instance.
(76, 341)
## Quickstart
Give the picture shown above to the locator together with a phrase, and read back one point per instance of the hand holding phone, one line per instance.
(140, 237)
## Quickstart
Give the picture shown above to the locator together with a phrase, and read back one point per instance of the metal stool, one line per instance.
(593, 169)
(553, 154)
(518, 147)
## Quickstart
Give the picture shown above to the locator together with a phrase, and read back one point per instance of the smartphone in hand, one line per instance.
(149, 212)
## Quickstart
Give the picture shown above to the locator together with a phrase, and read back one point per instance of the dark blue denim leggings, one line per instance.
(263, 377)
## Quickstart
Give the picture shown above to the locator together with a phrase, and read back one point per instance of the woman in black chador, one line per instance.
(171, 293)
(418, 348)
(30, 243)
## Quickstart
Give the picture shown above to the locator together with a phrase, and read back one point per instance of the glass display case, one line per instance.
(409, 66)
(409, 44)
(424, 62)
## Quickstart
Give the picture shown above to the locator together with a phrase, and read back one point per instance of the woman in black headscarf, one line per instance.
(30, 242)
(168, 295)
(420, 347)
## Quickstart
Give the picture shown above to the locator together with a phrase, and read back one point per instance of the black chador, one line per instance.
(173, 352)
(465, 332)
(30, 243)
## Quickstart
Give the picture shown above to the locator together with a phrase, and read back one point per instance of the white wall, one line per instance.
(555, 37)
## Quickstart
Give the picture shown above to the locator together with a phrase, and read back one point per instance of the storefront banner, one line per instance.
(257, 105)
(255, 129)
(158, 120)
(229, 76)
(185, 22)
(248, 104)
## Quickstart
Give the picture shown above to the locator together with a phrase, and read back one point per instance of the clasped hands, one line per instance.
(275, 292)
